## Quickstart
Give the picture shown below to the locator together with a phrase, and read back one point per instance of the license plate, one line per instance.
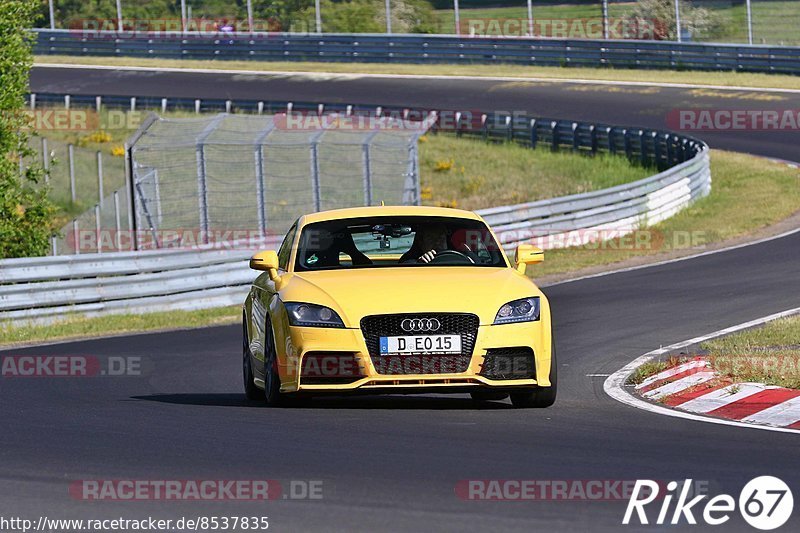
(413, 344)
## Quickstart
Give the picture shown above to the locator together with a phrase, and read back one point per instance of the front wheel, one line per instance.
(251, 392)
(540, 397)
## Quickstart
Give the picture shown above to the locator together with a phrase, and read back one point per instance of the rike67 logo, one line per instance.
(765, 503)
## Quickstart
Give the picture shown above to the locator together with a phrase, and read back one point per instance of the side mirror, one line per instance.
(527, 254)
(266, 261)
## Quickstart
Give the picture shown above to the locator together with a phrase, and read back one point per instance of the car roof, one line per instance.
(389, 210)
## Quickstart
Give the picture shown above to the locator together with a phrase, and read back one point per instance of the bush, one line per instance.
(26, 214)
(699, 22)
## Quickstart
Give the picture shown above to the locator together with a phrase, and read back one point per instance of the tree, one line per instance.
(26, 214)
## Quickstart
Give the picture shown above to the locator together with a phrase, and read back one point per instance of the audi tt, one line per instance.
(396, 300)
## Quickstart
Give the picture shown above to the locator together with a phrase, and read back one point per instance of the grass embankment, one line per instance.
(473, 174)
(748, 193)
(769, 354)
(117, 325)
(727, 79)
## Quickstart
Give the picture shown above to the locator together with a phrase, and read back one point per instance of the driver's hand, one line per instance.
(427, 257)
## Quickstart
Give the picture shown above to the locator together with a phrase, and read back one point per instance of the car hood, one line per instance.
(360, 292)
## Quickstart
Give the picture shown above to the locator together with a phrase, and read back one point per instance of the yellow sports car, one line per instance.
(396, 300)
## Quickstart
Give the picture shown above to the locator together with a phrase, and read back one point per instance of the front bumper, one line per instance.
(310, 342)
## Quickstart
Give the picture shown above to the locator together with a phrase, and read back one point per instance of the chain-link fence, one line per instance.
(722, 21)
(231, 177)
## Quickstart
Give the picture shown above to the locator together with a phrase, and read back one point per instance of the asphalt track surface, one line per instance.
(392, 463)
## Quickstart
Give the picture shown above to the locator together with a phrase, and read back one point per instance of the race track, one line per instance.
(392, 463)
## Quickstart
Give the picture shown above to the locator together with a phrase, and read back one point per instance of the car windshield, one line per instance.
(394, 241)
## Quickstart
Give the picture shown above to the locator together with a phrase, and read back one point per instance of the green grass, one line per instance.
(769, 354)
(651, 368)
(728, 79)
(117, 324)
(474, 174)
(747, 194)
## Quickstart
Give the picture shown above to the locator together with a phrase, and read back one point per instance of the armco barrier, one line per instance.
(48, 288)
(416, 48)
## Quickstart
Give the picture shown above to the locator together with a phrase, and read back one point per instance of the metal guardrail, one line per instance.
(48, 288)
(415, 48)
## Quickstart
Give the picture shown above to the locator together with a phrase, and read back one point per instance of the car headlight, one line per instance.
(312, 315)
(523, 310)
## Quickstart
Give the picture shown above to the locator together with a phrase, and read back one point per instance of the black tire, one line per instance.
(272, 380)
(251, 392)
(488, 396)
(540, 397)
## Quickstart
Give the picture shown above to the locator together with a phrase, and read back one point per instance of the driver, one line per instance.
(428, 241)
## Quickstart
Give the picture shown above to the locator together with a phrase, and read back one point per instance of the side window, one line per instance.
(285, 250)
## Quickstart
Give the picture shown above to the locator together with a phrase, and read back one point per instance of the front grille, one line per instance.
(377, 326)
(509, 363)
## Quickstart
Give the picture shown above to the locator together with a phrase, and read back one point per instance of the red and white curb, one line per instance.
(695, 387)
(682, 395)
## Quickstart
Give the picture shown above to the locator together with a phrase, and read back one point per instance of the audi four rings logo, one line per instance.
(420, 324)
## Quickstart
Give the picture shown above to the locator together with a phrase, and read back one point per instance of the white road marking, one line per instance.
(614, 386)
(721, 397)
(672, 372)
(783, 414)
(349, 75)
(679, 385)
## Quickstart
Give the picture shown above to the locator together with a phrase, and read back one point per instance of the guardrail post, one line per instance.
(33, 101)
(133, 103)
(670, 154)
(163, 105)
(98, 103)
(642, 147)
(71, 157)
(554, 136)
(54, 245)
(458, 125)
(485, 126)
(656, 147)
(100, 176)
(627, 142)
(612, 145)
(575, 137)
(509, 128)
(197, 106)
(66, 101)
(593, 137)
(534, 134)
